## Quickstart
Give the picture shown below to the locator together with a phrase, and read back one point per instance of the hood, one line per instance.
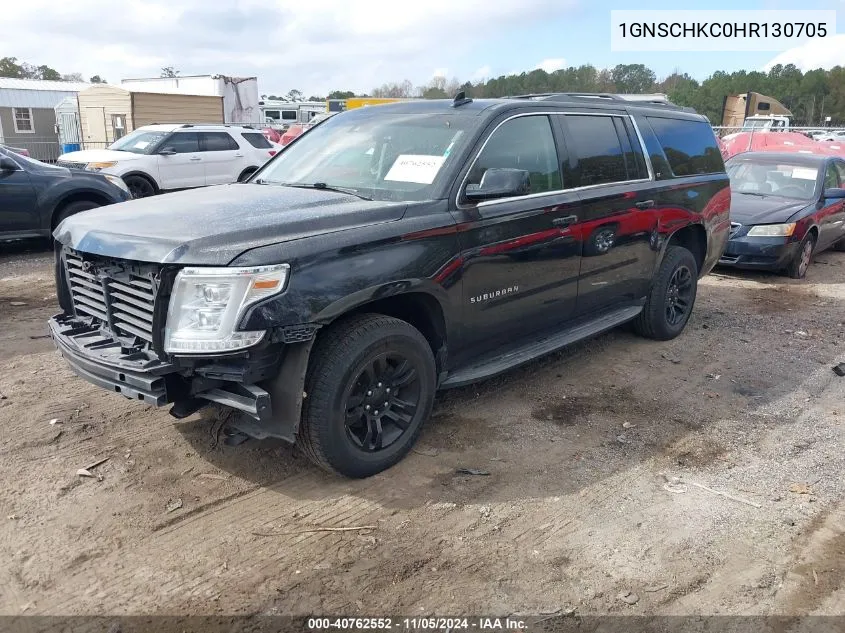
(748, 209)
(213, 225)
(99, 156)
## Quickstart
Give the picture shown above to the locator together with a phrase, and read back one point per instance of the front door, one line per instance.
(223, 159)
(18, 211)
(832, 214)
(183, 168)
(520, 255)
(619, 218)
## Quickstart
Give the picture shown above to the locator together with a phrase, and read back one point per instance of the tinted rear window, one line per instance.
(596, 144)
(690, 146)
(256, 139)
(218, 141)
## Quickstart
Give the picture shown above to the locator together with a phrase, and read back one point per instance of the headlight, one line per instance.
(772, 230)
(207, 303)
(99, 166)
(117, 181)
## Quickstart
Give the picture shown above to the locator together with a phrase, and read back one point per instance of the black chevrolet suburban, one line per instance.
(390, 252)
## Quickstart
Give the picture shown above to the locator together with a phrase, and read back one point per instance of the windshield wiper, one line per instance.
(754, 193)
(325, 187)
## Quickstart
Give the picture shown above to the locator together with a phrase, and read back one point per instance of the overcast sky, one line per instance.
(355, 44)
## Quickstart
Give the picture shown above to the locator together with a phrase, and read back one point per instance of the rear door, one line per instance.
(18, 211)
(519, 254)
(184, 168)
(618, 215)
(222, 156)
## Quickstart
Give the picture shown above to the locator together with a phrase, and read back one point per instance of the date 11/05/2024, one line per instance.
(417, 624)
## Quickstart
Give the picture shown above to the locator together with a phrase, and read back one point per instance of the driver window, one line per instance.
(183, 142)
(841, 169)
(831, 177)
(522, 143)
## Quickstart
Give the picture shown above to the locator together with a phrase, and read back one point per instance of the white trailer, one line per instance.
(240, 94)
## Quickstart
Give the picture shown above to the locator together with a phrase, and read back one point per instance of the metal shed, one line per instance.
(106, 113)
(27, 114)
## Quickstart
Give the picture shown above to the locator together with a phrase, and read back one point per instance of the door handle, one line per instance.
(196, 157)
(565, 221)
(645, 204)
(239, 155)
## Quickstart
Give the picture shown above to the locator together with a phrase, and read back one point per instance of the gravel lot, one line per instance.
(702, 475)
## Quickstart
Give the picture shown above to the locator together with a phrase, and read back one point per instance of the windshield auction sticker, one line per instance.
(686, 30)
(418, 168)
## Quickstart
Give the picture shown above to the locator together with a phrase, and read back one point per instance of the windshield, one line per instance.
(776, 179)
(395, 157)
(140, 141)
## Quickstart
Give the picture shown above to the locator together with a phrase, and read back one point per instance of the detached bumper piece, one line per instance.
(102, 360)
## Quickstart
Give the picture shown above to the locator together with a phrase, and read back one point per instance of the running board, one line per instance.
(535, 348)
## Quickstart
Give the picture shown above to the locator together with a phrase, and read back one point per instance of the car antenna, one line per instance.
(461, 99)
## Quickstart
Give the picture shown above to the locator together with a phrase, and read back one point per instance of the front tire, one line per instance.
(370, 388)
(139, 186)
(73, 208)
(803, 258)
(669, 303)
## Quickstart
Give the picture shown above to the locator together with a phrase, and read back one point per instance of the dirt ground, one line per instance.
(581, 504)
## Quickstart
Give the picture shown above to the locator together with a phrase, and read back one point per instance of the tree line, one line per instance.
(811, 96)
(10, 67)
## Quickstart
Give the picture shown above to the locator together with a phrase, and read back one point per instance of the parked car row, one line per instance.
(159, 158)
(35, 197)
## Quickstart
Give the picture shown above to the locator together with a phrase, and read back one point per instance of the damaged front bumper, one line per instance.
(243, 382)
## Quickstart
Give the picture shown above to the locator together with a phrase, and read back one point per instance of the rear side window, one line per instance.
(606, 150)
(690, 146)
(256, 139)
(525, 143)
(218, 142)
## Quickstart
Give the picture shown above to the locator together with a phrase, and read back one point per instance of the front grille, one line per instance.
(120, 295)
(71, 164)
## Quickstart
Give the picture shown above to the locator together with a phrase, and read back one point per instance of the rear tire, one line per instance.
(246, 173)
(670, 302)
(803, 258)
(370, 388)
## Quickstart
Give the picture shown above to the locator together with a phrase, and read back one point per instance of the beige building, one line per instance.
(107, 113)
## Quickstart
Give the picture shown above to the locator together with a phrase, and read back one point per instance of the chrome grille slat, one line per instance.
(119, 306)
(98, 296)
(123, 301)
(81, 307)
(135, 301)
(136, 331)
(86, 284)
(133, 291)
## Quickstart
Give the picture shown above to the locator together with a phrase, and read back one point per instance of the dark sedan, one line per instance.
(785, 207)
(35, 197)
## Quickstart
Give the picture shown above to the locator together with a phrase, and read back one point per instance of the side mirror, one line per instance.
(7, 164)
(834, 194)
(166, 151)
(499, 183)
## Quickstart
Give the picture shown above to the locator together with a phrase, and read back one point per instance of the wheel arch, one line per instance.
(692, 237)
(247, 172)
(143, 174)
(75, 196)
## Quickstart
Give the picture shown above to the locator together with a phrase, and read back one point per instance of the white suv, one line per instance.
(159, 158)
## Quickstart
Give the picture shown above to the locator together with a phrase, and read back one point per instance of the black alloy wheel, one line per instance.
(139, 186)
(679, 296)
(382, 401)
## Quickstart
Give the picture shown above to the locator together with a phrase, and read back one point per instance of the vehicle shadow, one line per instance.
(591, 412)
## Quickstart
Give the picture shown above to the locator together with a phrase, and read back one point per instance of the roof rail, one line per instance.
(656, 99)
